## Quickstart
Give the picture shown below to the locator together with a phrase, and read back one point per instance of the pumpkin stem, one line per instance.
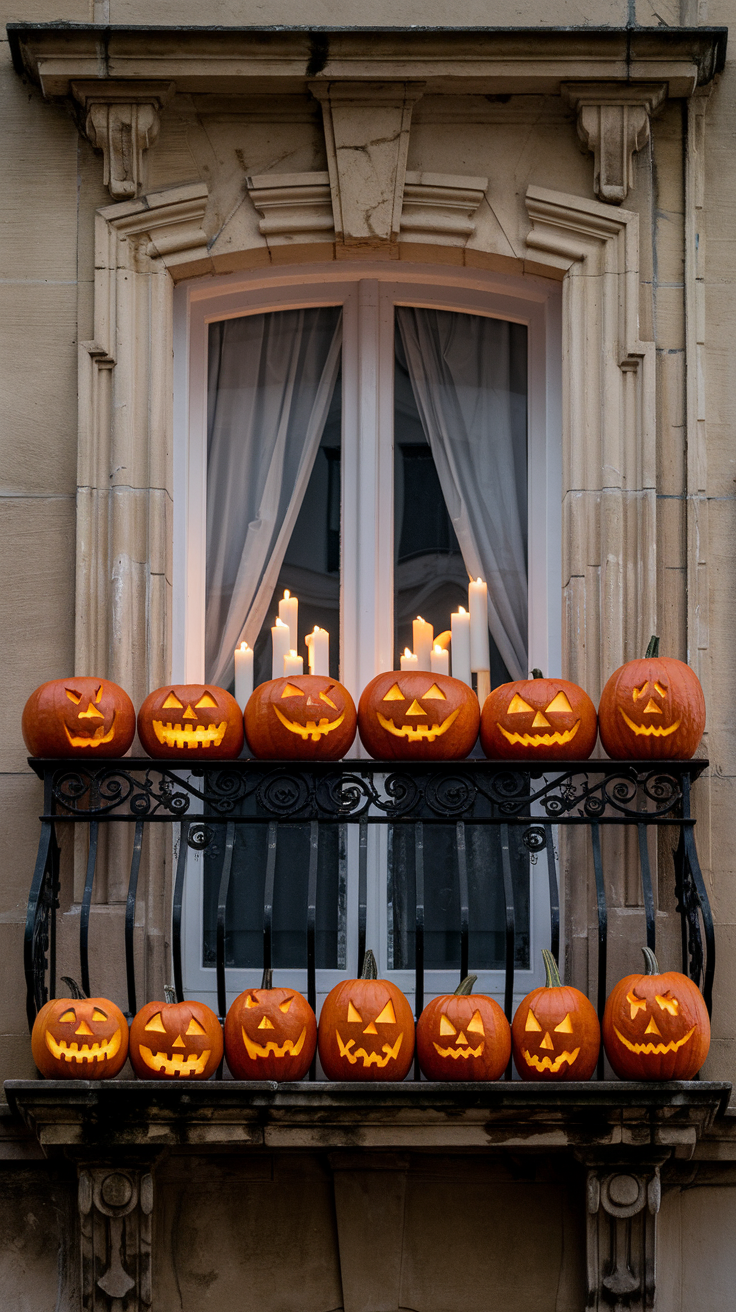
(74, 989)
(653, 648)
(267, 980)
(552, 974)
(169, 994)
(651, 960)
(465, 986)
(370, 969)
(537, 674)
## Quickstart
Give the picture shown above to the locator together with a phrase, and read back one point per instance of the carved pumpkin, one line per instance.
(270, 1034)
(305, 717)
(652, 709)
(78, 717)
(462, 1036)
(366, 1029)
(175, 1040)
(538, 717)
(191, 721)
(656, 1026)
(555, 1033)
(413, 715)
(79, 1038)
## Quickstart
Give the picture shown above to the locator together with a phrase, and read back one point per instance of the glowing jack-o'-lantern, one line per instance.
(366, 1029)
(78, 717)
(412, 715)
(463, 1036)
(304, 717)
(191, 720)
(175, 1040)
(652, 709)
(555, 1033)
(270, 1034)
(79, 1038)
(656, 1026)
(538, 717)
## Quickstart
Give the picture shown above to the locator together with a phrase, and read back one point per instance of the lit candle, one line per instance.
(440, 660)
(423, 635)
(409, 661)
(280, 646)
(293, 664)
(460, 625)
(289, 614)
(318, 646)
(478, 606)
(243, 674)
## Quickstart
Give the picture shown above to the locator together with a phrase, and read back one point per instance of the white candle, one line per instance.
(409, 661)
(243, 674)
(280, 645)
(423, 634)
(289, 614)
(460, 647)
(440, 660)
(480, 658)
(318, 646)
(293, 664)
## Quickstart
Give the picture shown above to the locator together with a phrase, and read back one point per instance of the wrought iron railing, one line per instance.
(522, 802)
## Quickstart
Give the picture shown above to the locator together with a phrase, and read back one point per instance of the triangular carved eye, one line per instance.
(354, 1014)
(565, 1026)
(250, 1001)
(291, 691)
(446, 1026)
(156, 1023)
(324, 698)
(98, 1015)
(476, 1024)
(559, 703)
(73, 696)
(639, 692)
(435, 694)
(517, 705)
(388, 1015)
(98, 694)
(636, 1004)
(531, 1022)
(395, 694)
(668, 1003)
(661, 690)
(284, 1006)
(206, 700)
(194, 1027)
(172, 703)
(69, 1016)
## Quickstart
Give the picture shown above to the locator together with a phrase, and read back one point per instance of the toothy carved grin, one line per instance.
(654, 1049)
(369, 1058)
(186, 735)
(95, 739)
(84, 1052)
(420, 732)
(541, 739)
(178, 1064)
(314, 729)
(547, 1064)
(650, 730)
(287, 1048)
(459, 1052)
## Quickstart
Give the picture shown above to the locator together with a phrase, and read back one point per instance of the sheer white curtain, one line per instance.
(463, 369)
(271, 377)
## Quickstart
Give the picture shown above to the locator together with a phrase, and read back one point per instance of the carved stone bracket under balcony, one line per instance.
(613, 123)
(623, 1200)
(122, 119)
(115, 1207)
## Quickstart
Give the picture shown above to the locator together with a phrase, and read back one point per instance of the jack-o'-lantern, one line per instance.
(555, 1033)
(652, 709)
(192, 721)
(366, 1029)
(78, 717)
(304, 717)
(270, 1034)
(175, 1040)
(79, 1038)
(413, 715)
(463, 1036)
(550, 718)
(656, 1026)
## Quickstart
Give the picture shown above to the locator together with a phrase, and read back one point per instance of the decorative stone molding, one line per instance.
(294, 206)
(613, 123)
(367, 139)
(115, 1206)
(623, 1201)
(122, 120)
(440, 206)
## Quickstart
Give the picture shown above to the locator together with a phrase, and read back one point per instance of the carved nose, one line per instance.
(540, 721)
(189, 714)
(370, 1029)
(83, 1028)
(652, 708)
(91, 713)
(547, 1042)
(461, 1040)
(178, 1042)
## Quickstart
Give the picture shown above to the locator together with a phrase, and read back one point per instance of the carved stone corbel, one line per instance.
(115, 1206)
(613, 123)
(122, 119)
(623, 1200)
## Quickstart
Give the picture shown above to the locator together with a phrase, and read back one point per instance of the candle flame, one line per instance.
(437, 649)
(419, 620)
(244, 646)
(479, 579)
(462, 611)
(407, 652)
(292, 652)
(287, 594)
(280, 624)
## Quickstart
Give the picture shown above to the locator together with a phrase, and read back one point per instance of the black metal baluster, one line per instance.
(646, 886)
(362, 891)
(312, 926)
(418, 929)
(35, 986)
(678, 857)
(86, 904)
(135, 866)
(227, 865)
(693, 864)
(554, 895)
(462, 880)
(176, 910)
(508, 897)
(600, 891)
(268, 888)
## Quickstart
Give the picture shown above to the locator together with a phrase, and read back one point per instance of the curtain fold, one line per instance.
(271, 379)
(468, 374)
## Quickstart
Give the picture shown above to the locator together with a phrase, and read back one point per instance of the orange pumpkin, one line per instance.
(79, 1038)
(656, 1026)
(78, 717)
(175, 1040)
(538, 717)
(366, 1029)
(270, 1034)
(652, 709)
(546, 1013)
(463, 1036)
(191, 721)
(304, 717)
(413, 715)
